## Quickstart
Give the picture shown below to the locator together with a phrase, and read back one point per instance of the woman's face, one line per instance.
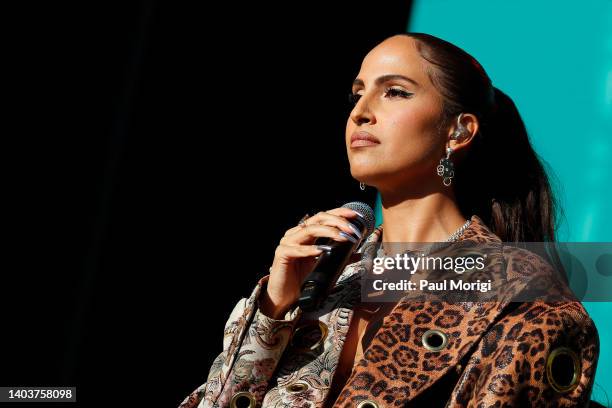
(403, 115)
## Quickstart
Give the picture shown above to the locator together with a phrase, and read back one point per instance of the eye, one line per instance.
(392, 92)
(397, 92)
(353, 98)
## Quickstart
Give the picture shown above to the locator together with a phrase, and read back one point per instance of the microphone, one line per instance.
(331, 263)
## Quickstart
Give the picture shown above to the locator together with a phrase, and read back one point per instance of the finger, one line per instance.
(287, 251)
(331, 221)
(337, 217)
(293, 230)
(311, 232)
(340, 214)
(345, 212)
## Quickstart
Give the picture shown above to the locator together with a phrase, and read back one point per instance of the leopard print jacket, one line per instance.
(493, 354)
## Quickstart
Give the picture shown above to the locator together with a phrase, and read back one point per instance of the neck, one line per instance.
(430, 217)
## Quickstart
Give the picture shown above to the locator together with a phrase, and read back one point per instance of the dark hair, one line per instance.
(501, 178)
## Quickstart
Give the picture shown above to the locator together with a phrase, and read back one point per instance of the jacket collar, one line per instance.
(462, 323)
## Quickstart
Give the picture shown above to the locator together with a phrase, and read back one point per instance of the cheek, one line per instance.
(412, 138)
(414, 122)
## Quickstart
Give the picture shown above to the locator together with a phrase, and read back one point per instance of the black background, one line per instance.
(155, 153)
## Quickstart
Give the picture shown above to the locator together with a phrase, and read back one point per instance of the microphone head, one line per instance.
(367, 212)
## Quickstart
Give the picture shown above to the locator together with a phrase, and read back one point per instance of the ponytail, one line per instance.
(503, 180)
(500, 177)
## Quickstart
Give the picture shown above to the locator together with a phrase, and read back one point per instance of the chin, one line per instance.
(367, 177)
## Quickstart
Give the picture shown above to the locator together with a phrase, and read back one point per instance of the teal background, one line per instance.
(554, 59)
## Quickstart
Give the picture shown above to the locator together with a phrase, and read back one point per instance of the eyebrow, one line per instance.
(385, 78)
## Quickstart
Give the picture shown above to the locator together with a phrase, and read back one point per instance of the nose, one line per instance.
(361, 112)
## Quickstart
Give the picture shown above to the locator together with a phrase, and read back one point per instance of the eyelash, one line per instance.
(354, 98)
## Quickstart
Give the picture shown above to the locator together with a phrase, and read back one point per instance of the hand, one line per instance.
(295, 256)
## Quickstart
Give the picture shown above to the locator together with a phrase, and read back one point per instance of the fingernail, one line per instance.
(326, 248)
(354, 229)
(358, 213)
(347, 236)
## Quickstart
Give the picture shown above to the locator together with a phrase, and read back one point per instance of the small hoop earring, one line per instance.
(446, 168)
(362, 186)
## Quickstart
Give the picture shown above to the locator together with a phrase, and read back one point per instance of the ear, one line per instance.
(467, 124)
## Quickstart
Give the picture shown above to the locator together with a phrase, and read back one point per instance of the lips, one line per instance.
(363, 138)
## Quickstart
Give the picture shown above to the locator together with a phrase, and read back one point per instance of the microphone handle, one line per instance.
(328, 268)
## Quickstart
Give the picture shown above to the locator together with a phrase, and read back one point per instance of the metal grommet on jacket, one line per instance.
(297, 387)
(563, 369)
(367, 404)
(309, 336)
(434, 340)
(243, 399)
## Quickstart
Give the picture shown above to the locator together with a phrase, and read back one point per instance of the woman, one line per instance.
(452, 161)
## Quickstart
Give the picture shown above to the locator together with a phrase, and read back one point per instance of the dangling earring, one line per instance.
(362, 186)
(446, 168)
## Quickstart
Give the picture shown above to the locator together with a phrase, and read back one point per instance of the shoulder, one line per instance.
(525, 262)
(529, 277)
(540, 352)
